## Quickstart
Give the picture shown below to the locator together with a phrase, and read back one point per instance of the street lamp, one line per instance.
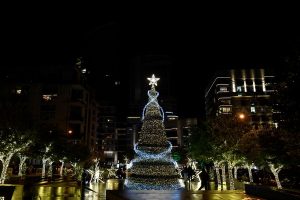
(241, 116)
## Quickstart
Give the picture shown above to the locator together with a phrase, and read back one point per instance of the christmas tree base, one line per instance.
(151, 185)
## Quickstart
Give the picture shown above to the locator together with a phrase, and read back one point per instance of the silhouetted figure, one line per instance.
(83, 183)
(184, 173)
(121, 175)
(119, 172)
(27, 190)
(204, 179)
(190, 172)
(83, 178)
(124, 172)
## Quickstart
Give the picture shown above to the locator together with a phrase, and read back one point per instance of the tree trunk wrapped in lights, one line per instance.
(249, 168)
(230, 176)
(235, 168)
(217, 168)
(22, 164)
(50, 170)
(11, 142)
(275, 171)
(45, 159)
(5, 163)
(224, 185)
(61, 167)
(153, 168)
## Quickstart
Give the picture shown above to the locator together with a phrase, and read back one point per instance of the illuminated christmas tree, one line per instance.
(153, 168)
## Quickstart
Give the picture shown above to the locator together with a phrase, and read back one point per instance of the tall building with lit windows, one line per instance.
(246, 93)
(59, 99)
(172, 129)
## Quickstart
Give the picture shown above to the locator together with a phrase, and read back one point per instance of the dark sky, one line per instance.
(193, 39)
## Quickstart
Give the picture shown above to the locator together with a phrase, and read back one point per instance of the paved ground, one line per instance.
(178, 195)
(60, 189)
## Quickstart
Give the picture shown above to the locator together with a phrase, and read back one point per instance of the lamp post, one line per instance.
(241, 116)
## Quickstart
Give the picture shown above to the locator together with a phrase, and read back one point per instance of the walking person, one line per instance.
(204, 179)
(184, 173)
(83, 183)
(190, 173)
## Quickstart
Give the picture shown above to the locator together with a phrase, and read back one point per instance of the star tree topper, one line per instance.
(153, 81)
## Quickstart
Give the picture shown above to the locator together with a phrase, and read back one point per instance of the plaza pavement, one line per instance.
(178, 195)
(61, 189)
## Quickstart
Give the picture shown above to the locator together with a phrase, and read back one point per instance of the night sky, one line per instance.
(191, 39)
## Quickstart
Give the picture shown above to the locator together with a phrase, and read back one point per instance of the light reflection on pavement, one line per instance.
(71, 190)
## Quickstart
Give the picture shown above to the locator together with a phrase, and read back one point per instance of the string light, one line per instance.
(152, 94)
(146, 155)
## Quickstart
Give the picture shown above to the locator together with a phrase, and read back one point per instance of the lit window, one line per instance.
(83, 71)
(252, 109)
(19, 91)
(239, 88)
(223, 89)
(225, 109)
(49, 97)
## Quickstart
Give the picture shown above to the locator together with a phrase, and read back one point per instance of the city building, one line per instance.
(186, 125)
(244, 93)
(106, 133)
(115, 138)
(172, 129)
(58, 98)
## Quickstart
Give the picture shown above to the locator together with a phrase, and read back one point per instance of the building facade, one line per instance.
(245, 93)
(172, 129)
(58, 99)
(186, 125)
